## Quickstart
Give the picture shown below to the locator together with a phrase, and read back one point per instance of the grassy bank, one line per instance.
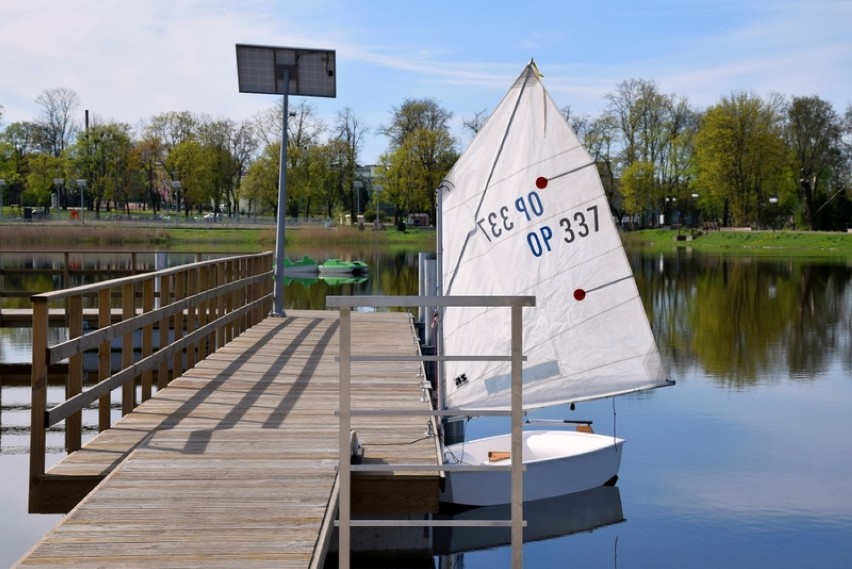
(234, 238)
(768, 243)
(208, 237)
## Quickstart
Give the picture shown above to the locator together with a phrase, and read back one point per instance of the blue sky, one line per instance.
(129, 61)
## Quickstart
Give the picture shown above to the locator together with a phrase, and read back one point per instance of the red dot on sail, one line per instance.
(579, 294)
(541, 182)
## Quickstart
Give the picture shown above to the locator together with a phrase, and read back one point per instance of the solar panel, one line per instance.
(311, 72)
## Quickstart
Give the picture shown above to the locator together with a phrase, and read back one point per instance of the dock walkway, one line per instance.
(234, 463)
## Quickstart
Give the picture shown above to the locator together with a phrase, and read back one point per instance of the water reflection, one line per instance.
(745, 320)
(546, 519)
(25, 273)
(749, 450)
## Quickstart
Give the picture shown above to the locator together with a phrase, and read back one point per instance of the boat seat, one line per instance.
(495, 455)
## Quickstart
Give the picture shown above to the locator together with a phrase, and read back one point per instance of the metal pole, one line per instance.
(517, 506)
(344, 514)
(278, 287)
(439, 279)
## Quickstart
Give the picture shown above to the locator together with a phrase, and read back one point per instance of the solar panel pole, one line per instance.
(259, 69)
(278, 287)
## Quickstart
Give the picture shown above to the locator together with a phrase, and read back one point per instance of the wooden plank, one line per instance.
(234, 463)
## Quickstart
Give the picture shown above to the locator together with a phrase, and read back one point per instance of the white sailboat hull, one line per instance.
(556, 463)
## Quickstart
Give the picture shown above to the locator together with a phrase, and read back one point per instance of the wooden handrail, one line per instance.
(127, 263)
(207, 302)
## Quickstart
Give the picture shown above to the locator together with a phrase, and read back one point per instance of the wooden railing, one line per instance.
(204, 305)
(68, 267)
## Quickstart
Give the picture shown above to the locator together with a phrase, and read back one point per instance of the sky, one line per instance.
(130, 61)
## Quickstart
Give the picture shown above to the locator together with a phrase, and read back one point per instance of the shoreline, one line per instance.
(260, 237)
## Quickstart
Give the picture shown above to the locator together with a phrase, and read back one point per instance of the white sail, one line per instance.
(524, 213)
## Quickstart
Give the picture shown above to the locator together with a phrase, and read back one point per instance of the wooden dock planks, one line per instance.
(234, 464)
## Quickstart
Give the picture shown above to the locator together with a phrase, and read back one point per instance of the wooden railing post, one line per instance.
(165, 293)
(38, 381)
(128, 310)
(104, 359)
(147, 335)
(254, 291)
(191, 314)
(203, 311)
(222, 277)
(74, 379)
(180, 294)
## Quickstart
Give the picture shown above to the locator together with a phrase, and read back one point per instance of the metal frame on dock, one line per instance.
(345, 304)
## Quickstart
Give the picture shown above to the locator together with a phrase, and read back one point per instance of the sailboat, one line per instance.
(523, 212)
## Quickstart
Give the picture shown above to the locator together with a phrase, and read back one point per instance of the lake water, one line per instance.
(744, 463)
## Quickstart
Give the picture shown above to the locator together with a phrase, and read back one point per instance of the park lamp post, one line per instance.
(285, 71)
(57, 185)
(695, 209)
(671, 203)
(82, 185)
(176, 188)
(773, 201)
(2, 189)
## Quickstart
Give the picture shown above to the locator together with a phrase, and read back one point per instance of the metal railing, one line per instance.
(195, 308)
(516, 357)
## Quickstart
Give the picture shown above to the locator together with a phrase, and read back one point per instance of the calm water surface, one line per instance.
(744, 463)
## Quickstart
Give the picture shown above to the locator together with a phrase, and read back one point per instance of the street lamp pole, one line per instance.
(2, 188)
(695, 207)
(176, 188)
(82, 185)
(773, 201)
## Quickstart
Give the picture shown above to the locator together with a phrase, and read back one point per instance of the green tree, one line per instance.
(741, 158)
(260, 186)
(215, 138)
(325, 179)
(814, 135)
(637, 187)
(422, 152)
(43, 169)
(413, 115)
(411, 172)
(643, 125)
(194, 165)
(17, 145)
(148, 153)
(103, 156)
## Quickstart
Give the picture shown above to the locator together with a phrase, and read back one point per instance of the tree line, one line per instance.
(745, 161)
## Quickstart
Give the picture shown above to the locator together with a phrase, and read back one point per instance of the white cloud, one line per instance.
(130, 61)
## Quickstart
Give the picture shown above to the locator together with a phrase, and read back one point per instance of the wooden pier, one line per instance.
(234, 463)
